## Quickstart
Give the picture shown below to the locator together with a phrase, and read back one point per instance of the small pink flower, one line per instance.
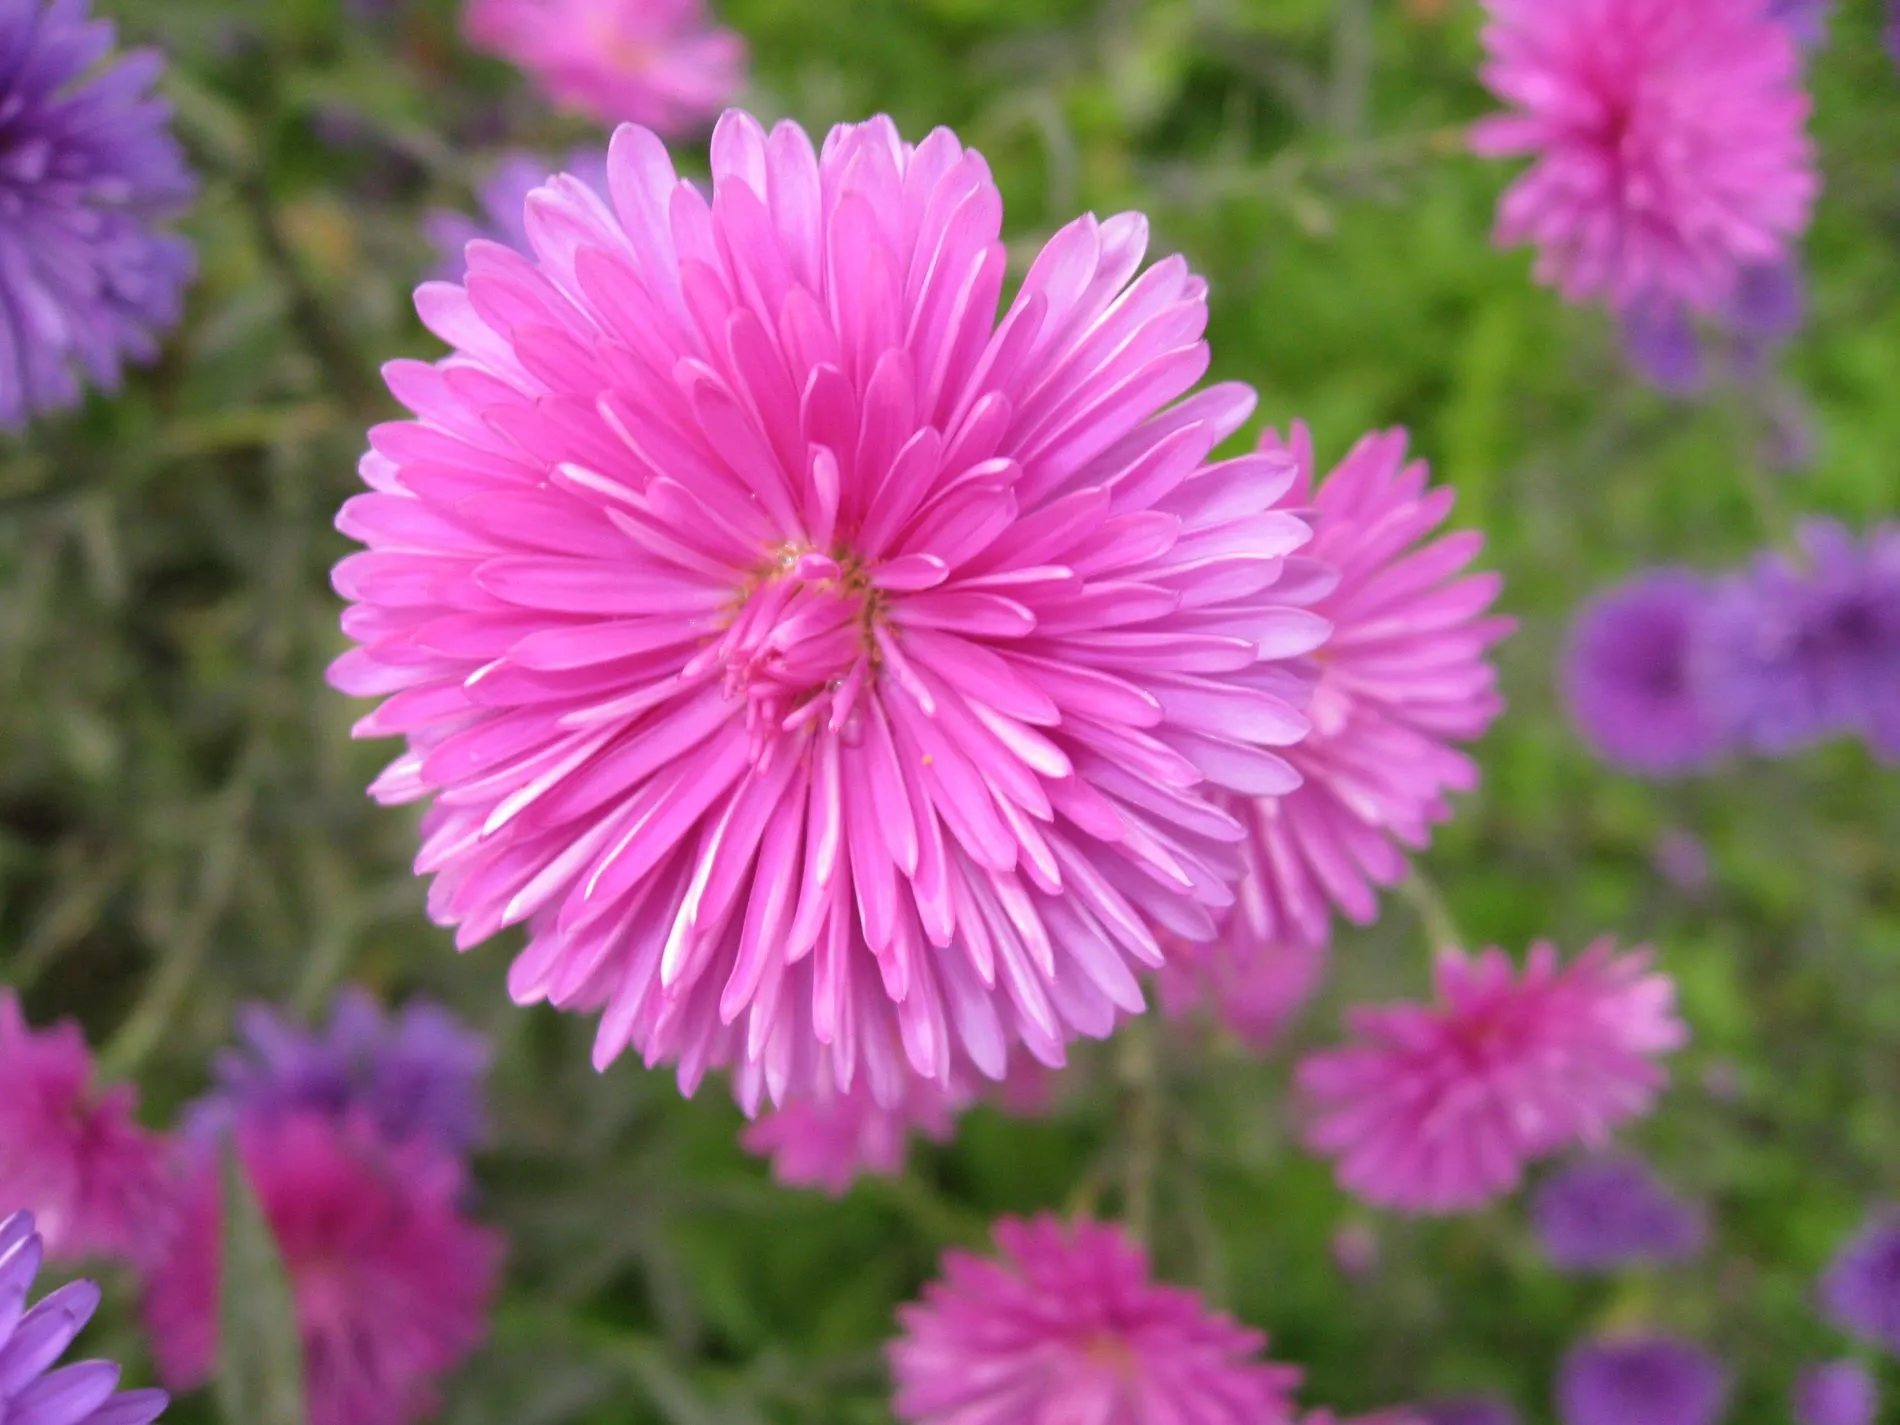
(1438, 1107)
(1253, 986)
(1669, 139)
(661, 63)
(831, 1139)
(391, 1283)
(70, 1151)
(1069, 1327)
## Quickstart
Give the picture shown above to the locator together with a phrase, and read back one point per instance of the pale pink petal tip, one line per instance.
(837, 680)
(1066, 1323)
(1436, 1108)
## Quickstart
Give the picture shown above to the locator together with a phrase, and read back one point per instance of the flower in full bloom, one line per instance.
(71, 1151)
(1438, 1107)
(1794, 649)
(1836, 1393)
(1627, 675)
(390, 1282)
(1648, 1380)
(1860, 1292)
(32, 1339)
(416, 1074)
(1669, 140)
(1069, 1326)
(661, 63)
(89, 174)
(833, 679)
(1602, 1213)
(504, 208)
(831, 1139)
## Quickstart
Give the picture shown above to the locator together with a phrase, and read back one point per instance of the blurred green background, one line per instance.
(182, 818)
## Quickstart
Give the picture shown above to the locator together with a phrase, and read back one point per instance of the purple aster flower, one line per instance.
(1682, 858)
(504, 204)
(1652, 1380)
(1465, 1410)
(1764, 313)
(1892, 30)
(31, 1340)
(1836, 1393)
(416, 1075)
(1806, 20)
(88, 170)
(1860, 1292)
(1626, 675)
(1795, 650)
(1660, 340)
(1608, 1212)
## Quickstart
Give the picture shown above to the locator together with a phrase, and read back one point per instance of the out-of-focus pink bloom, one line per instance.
(1669, 138)
(1068, 1326)
(70, 1151)
(828, 1141)
(661, 63)
(1029, 1089)
(835, 680)
(1404, 677)
(1438, 1107)
(391, 1283)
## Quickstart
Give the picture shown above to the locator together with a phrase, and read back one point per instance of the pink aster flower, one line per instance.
(70, 1151)
(1404, 676)
(1669, 139)
(831, 1139)
(833, 678)
(662, 63)
(1068, 1327)
(390, 1281)
(1438, 1107)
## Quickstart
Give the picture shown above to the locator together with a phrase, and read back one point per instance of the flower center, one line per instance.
(801, 647)
(1109, 1351)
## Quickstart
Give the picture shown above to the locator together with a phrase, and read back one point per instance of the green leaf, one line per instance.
(260, 1358)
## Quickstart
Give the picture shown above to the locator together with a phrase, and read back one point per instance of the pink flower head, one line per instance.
(829, 1140)
(1068, 1327)
(1438, 1107)
(662, 63)
(390, 1282)
(832, 678)
(1670, 143)
(1404, 676)
(70, 1152)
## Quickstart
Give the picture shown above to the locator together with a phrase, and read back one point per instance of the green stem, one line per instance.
(1421, 892)
(1139, 1068)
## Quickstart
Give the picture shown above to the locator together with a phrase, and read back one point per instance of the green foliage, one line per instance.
(182, 818)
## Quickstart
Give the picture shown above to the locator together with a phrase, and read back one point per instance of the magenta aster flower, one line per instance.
(832, 678)
(70, 1151)
(661, 63)
(89, 175)
(1669, 136)
(390, 1282)
(1438, 1107)
(31, 1340)
(1650, 1380)
(830, 1140)
(1068, 1326)
(1253, 987)
(1836, 1393)
(417, 1074)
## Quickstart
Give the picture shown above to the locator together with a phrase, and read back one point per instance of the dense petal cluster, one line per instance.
(1437, 1107)
(831, 1139)
(89, 173)
(390, 1282)
(503, 200)
(1404, 677)
(834, 679)
(1626, 675)
(415, 1075)
(1669, 139)
(1649, 1380)
(71, 1152)
(661, 63)
(1860, 1292)
(1836, 1393)
(1069, 1326)
(1603, 1213)
(32, 1339)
